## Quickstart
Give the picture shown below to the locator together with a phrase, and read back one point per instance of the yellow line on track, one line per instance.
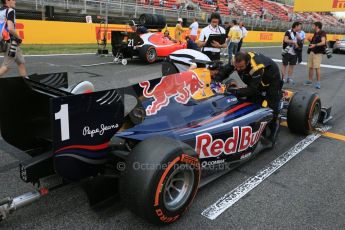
(334, 136)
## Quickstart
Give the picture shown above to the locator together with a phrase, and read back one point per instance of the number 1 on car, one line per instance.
(63, 116)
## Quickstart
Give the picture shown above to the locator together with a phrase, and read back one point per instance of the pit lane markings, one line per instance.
(229, 199)
(322, 65)
(334, 136)
(261, 47)
(53, 55)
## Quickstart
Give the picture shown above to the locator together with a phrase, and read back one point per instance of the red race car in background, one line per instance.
(146, 46)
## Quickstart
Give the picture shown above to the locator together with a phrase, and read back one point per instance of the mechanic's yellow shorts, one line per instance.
(314, 60)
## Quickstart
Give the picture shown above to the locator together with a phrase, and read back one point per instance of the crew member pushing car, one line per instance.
(262, 77)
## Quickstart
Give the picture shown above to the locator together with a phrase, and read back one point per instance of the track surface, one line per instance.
(306, 193)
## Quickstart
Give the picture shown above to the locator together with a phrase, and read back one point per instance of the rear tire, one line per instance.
(148, 54)
(303, 112)
(155, 170)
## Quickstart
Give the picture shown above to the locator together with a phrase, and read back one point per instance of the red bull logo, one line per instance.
(181, 86)
(242, 139)
(339, 4)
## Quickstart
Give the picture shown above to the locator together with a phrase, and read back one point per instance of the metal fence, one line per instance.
(126, 9)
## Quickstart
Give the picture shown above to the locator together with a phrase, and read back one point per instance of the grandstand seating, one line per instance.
(273, 10)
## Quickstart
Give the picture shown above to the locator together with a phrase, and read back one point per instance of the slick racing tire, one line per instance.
(153, 21)
(148, 54)
(161, 179)
(303, 112)
(161, 21)
(146, 19)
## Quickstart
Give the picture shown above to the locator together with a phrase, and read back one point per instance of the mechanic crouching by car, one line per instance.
(262, 77)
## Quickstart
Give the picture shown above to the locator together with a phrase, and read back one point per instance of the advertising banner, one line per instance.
(319, 6)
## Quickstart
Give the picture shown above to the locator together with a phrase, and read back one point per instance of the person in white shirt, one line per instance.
(234, 36)
(212, 52)
(300, 42)
(194, 30)
(244, 35)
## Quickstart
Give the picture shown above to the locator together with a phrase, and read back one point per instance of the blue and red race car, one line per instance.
(180, 133)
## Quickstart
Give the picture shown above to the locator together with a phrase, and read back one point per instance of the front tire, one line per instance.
(303, 112)
(161, 179)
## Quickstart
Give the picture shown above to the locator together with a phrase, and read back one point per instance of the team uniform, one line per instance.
(244, 34)
(178, 32)
(142, 30)
(211, 52)
(263, 80)
(235, 35)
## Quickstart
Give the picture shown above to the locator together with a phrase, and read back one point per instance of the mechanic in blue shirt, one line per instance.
(191, 44)
(138, 29)
(262, 77)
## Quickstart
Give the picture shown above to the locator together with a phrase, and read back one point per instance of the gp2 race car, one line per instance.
(178, 134)
(148, 47)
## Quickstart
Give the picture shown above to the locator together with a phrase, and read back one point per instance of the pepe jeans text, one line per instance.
(100, 131)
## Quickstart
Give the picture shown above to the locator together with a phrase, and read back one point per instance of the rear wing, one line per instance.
(66, 133)
(38, 117)
(25, 113)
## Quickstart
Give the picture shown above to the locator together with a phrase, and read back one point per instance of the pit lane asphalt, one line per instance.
(306, 193)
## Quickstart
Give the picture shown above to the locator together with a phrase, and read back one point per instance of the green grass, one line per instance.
(259, 44)
(92, 48)
(60, 49)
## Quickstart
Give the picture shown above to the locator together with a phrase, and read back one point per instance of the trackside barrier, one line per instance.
(53, 32)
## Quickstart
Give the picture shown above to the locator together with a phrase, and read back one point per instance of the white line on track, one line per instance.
(56, 55)
(261, 47)
(325, 66)
(229, 199)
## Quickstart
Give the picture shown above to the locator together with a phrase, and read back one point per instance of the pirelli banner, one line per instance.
(319, 5)
(48, 32)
